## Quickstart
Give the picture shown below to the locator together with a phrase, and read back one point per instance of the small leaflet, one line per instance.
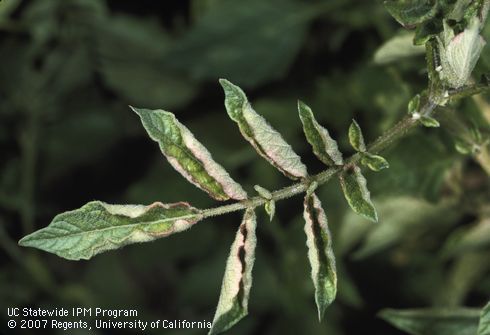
(460, 53)
(374, 162)
(188, 156)
(98, 227)
(237, 281)
(356, 138)
(265, 139)
(270, 208)
(324, 146)
(428, 121)
(414, 105)
(320, 253)
(355, 190)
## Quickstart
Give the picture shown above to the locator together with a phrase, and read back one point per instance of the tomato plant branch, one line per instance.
(396, 132)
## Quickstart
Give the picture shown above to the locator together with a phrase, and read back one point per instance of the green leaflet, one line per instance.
(428, 321)
(320, 253)
(429, 122)
(356, 193)
(270, 204)
(411, 12)
(396, 48)
(356, 138)
(98, 227)
(265, 139)
(188, 156)
(324, 146)
(484, 325)
(414, 105)
(237, 281)
(374, 162)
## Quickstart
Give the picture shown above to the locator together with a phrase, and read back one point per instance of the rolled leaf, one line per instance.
(356, 138)
(237, 281)
(265, 139)
(432, 321)
(324, 146)
(188, 156)
(320, 253)
(484, 325)
(98, 227)
(355, 190)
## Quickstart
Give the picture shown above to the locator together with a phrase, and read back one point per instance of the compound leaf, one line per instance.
(428, 321)
(356, 193)
(237, 281)
(265, 139)
(324, 146)
(98, 227)
(320, 253)
(188, 156)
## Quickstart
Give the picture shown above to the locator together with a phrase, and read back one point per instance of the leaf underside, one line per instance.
(98, 227)
(320, 253)
(188, 156)
(237, 281)
(256, 130)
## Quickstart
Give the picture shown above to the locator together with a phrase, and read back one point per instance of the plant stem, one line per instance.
(399, 130)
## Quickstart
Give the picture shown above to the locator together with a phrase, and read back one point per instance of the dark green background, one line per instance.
(70, 68)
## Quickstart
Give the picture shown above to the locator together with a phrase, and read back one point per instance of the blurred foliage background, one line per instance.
(70, 68)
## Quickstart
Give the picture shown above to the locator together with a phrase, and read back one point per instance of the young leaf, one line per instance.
(320, 253)
(188, 156)
(324, 147)
(265, 139)
(356, 193)
(374, 162)
(411, 12)
(414, 104)
(98, 227)
(264, 193)
(428, 321)
(270, 208)
(484, 325)
(237, 281)
(429, 122)
(356, 138)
